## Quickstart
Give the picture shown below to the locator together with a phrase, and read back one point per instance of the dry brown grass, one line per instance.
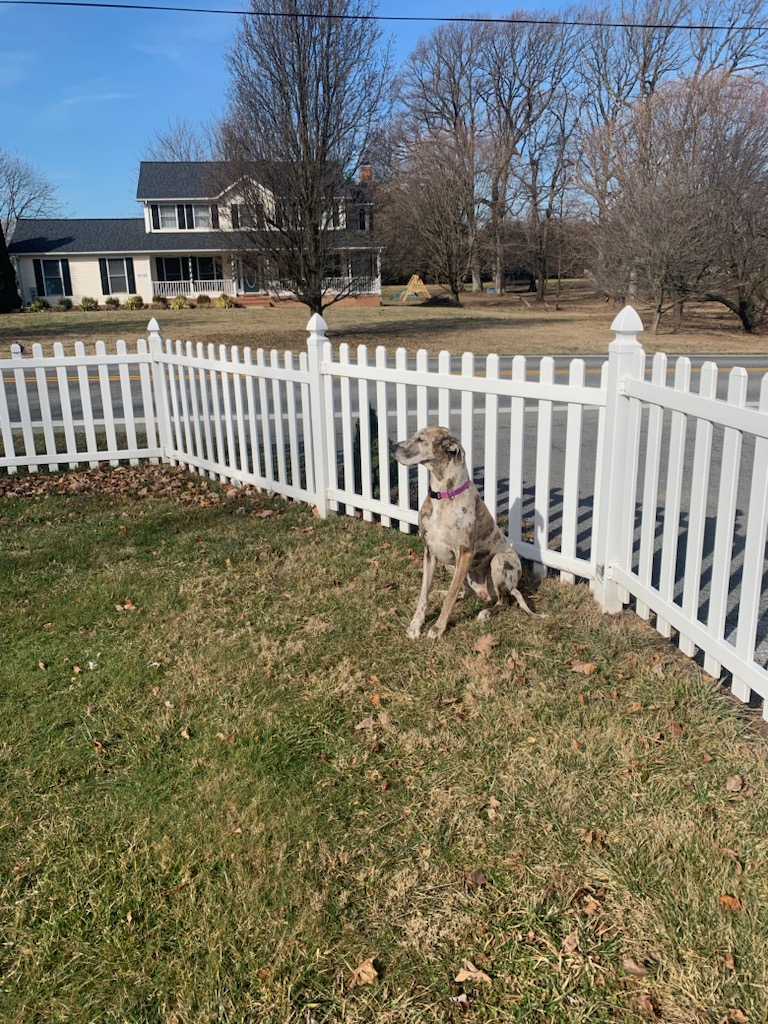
(578, 324)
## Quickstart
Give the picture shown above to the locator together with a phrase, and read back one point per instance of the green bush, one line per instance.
(225, 301)
(159, 300)
(179, 302)
(134, 302)
(65, 303)
(88, 305)
(39, 305)
(112, 303)
(203, 300)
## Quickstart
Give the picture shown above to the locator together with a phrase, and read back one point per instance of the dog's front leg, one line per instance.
(428, 572)
(463, 563)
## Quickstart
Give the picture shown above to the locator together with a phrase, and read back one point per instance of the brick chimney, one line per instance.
(365, 174)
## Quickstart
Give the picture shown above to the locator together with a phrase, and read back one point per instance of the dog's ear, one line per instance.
(452, 447)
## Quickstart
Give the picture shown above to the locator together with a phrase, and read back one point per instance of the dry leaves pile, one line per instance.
(145, 481)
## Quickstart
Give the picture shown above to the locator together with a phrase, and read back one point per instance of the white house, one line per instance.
(188, 242)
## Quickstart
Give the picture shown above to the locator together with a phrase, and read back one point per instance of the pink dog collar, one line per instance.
(450, 494)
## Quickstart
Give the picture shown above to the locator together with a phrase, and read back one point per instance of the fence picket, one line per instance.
(649, 513)
(277, 408)
(126, 400)
(673, 496)
(468, 413)
(422, 416)
(292, 419)
(491, 451)
(754, 559)
(694, 550)
(403, 431)
(516, 448)
(572, 469)
(65, 403)
(216, 402)
(266, 429)
(382, 406)
(107, 410)
(543, 464)
(444, 394)
(44, 405)
(86, 404)
(364, 419)
(241, 437)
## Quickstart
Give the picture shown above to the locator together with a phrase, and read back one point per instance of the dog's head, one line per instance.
(430, 446)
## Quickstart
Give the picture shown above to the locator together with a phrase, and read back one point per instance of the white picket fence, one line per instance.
(629, 483)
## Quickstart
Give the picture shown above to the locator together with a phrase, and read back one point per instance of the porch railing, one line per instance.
(190, 289)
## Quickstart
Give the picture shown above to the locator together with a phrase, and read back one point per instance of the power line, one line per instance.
(406, 19)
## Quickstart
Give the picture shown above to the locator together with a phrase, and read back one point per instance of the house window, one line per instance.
(362, 219)
(207, 268)
(117, 276)
(168, 217)
(52, 277)
(169, 268)
(184, 216)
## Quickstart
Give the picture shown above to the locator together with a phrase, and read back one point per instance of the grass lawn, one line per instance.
(233, 791)
(579, 324)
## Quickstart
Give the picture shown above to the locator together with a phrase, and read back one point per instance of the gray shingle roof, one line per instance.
(128, 235)
(181, 180)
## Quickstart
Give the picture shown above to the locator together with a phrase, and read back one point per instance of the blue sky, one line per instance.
(83, 90)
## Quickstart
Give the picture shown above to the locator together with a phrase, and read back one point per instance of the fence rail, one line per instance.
(654, 493)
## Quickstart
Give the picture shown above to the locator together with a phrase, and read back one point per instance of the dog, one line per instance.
(457, 529)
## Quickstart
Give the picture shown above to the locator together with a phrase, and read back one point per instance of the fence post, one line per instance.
(316, 328)
(158, 387)
(613, 516)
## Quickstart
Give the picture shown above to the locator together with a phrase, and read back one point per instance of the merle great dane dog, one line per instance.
(457, 529)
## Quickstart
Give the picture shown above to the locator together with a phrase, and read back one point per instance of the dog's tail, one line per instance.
(521, 601)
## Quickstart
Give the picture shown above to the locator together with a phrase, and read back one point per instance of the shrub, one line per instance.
(65, 303)
(39, 305)
(88, 305)
(134, 302)
(225, 301)
(203, 300)
(179, 302)
(112, 302)
(159, 300)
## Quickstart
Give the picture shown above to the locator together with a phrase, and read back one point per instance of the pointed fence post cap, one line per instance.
(627, 322)
(316, 324)
(153, 325)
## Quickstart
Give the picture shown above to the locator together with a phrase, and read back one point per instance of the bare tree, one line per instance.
(685, 214)
(183, 140)
(310, 82)
(24, 192)
(441, 88)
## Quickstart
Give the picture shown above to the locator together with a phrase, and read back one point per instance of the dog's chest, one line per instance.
(446, 526)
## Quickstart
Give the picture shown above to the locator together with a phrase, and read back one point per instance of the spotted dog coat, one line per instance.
(457, 529)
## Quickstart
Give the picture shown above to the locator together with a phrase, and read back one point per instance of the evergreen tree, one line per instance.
(9, 295)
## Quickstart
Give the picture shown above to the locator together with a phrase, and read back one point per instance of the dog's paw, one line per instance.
(435, 632)
(413, 632)
(486, 613)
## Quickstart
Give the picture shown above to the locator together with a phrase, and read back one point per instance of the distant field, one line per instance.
(578, 324)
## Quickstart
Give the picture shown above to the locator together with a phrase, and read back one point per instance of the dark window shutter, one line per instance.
(215, 216)
(155, 217)
(39, 282)
(180, 215)
(104, 276)
(67, 277)
(190, 216)
(130, 275)
(235, 211)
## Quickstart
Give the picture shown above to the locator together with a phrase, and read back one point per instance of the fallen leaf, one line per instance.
(486, 643)
(576, 744)
(445, 702)
(184, 733)
(98, 746)
(675, 729)
(571, 942)
(494, 803)
(633, 967)
(594, 837)
(647, 1003)
(375, 699)
(414, 557)
(735, 1016)
(472, 974)
(707, 758)
(365, 974)
(732, 902)
(733, 858)
(476, 879)
(228, 737)
(366, 723)
(76, 669)
(41, 664)
(591, 907)
(584, 668)
(734, 784)
(728, 962)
